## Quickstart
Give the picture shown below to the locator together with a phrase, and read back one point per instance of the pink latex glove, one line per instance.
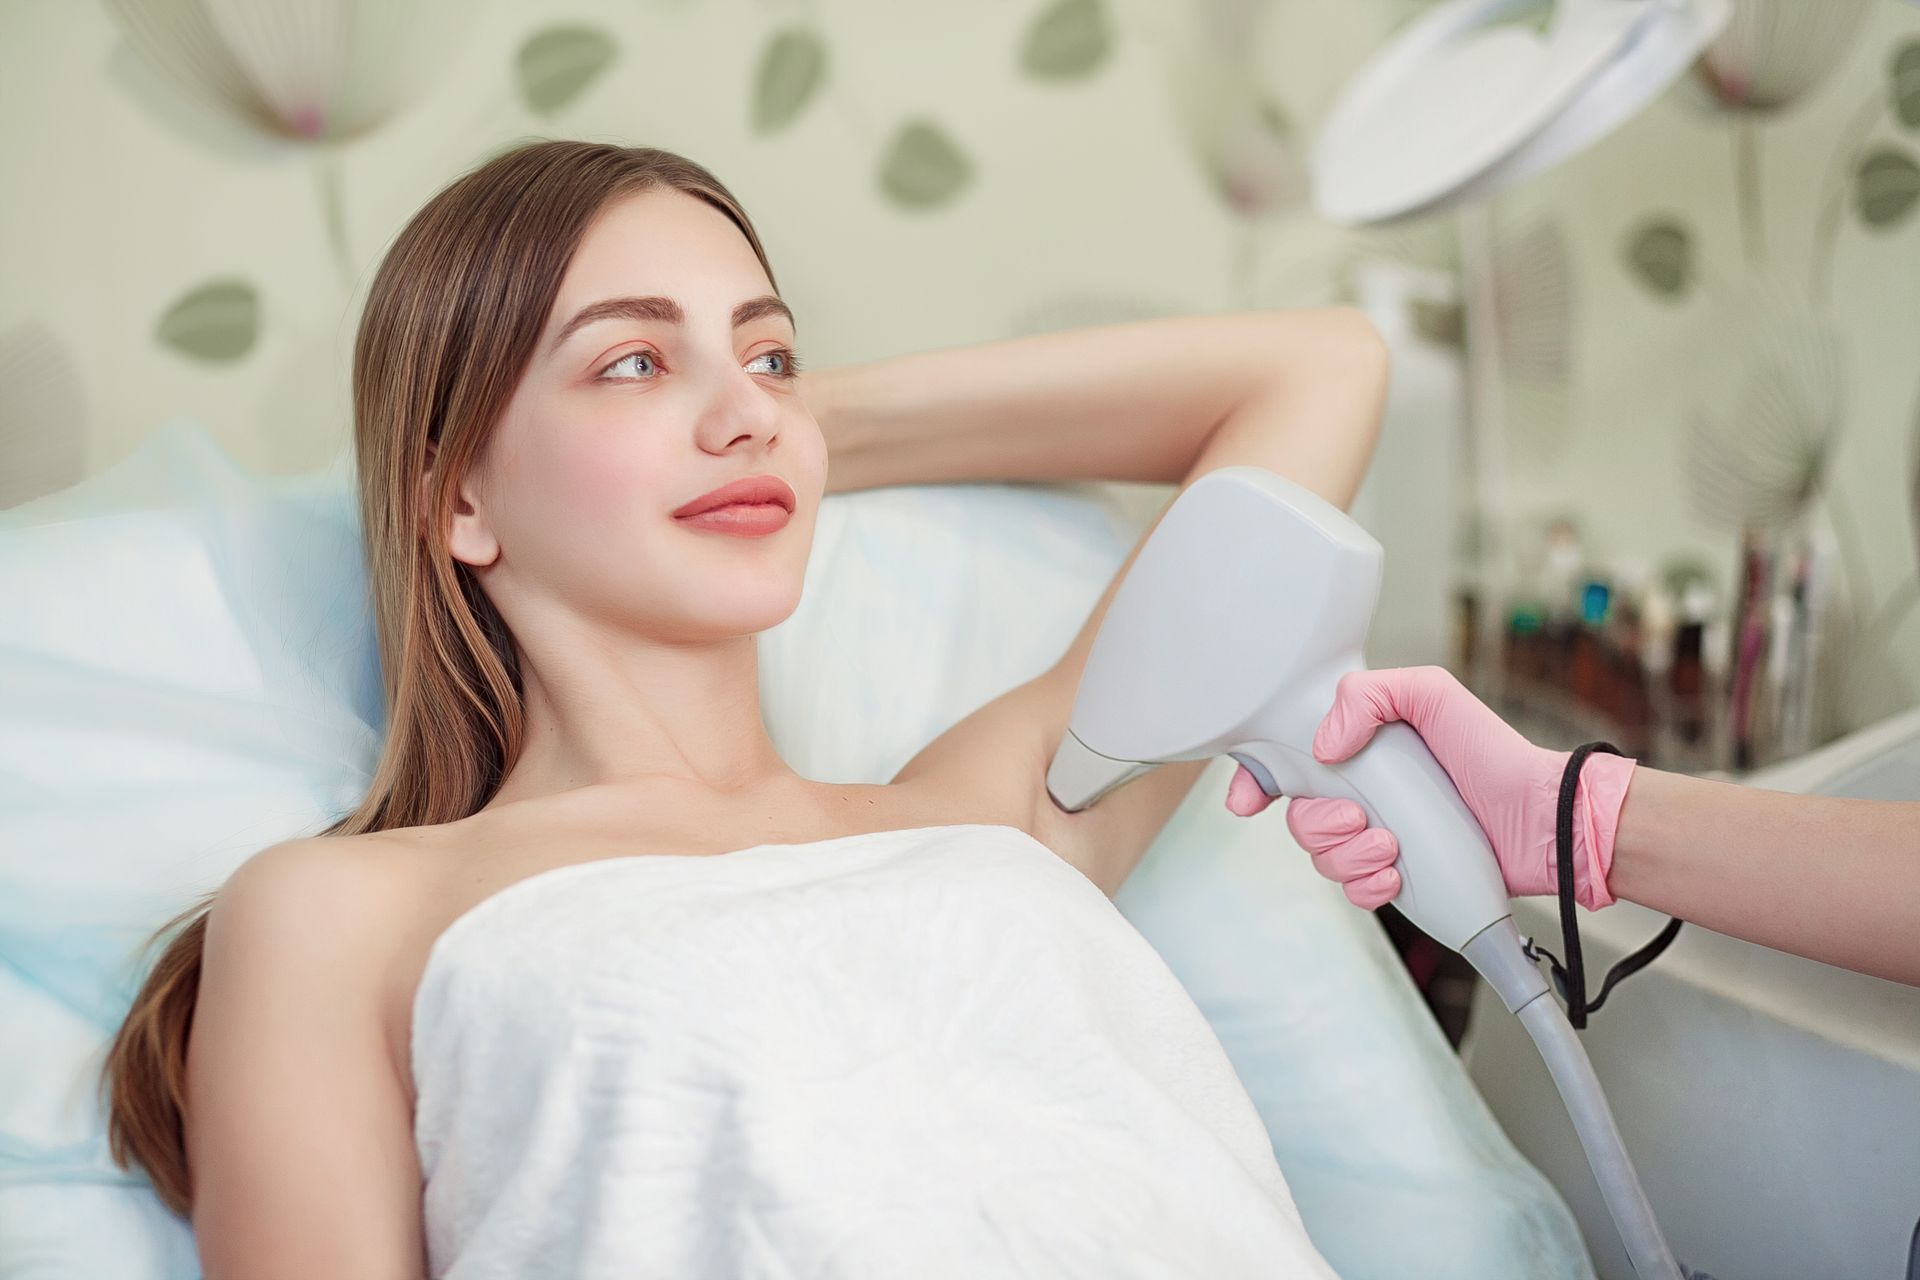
(1512, 787)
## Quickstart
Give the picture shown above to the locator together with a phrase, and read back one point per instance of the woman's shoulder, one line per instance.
(310, 868)
(342, 905)
(369, 897)
(330, 869)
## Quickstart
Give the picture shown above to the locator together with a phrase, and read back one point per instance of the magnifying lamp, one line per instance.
(1467, 100)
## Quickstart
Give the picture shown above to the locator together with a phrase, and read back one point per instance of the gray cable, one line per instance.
(1498, 953)
(1579, 1088)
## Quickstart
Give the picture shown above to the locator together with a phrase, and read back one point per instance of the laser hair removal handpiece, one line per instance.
(1235, 622)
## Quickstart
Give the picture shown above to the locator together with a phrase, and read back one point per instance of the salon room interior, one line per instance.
(1648, 469)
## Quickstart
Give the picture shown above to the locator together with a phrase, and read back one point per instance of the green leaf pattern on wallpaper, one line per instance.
(1660, 255)
(793, 66)
(922, 166)
(1904, 83)
(1888, 183)
(216, 322)
(1068, 40)
(556, 65)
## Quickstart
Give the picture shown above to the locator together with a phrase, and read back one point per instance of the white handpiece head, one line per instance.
(1247, 603)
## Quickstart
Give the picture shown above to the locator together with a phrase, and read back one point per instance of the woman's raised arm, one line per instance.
(1137, 401)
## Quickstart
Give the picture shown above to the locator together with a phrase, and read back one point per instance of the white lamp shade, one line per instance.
(1465, 102)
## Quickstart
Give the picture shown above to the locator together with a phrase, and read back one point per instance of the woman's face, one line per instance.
(621, 419)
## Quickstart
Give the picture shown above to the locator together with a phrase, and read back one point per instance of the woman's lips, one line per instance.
(748, 489)
(743, 519)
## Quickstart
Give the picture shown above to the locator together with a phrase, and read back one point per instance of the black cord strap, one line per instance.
(1571, 978)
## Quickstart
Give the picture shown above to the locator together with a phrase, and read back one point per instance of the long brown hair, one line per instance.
(449, 326)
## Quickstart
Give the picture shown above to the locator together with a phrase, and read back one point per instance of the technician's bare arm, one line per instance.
(1834, 879)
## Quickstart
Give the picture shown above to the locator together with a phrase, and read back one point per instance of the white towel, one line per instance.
(930, 1052)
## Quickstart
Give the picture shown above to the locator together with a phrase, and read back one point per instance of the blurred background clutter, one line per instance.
(1704, 540)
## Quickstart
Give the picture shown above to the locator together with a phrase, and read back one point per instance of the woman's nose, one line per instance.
(741, 407)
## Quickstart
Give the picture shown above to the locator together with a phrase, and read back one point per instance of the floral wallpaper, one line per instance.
(1705, 321)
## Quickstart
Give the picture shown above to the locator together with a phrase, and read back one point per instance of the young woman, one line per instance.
(441, 1037)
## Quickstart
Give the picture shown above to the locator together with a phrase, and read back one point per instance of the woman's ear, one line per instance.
(468, 538)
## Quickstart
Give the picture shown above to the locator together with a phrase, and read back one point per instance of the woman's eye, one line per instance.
(631, 355)
(789, 361)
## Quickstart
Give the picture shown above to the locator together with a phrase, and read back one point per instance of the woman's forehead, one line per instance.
(662, 242)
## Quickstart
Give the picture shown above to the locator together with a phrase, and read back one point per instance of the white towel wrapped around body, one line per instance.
(938, 1051)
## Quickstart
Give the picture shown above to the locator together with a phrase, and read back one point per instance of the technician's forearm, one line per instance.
(1135, 401)
(1834, 879)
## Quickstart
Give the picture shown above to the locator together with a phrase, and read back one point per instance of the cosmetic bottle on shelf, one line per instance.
(1716, 650)
(1752, 621)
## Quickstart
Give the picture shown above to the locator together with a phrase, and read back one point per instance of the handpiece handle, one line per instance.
(1450, 882)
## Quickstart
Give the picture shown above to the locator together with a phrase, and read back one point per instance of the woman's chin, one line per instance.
(718, 609)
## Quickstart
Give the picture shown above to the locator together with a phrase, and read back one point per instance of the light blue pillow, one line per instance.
(188, 674)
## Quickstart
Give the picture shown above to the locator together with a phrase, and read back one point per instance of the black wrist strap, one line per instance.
(1571, 978)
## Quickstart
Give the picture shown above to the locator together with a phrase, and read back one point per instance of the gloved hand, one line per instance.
(1511, 786)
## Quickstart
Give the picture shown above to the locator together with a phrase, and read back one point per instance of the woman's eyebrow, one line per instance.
(664, 310)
